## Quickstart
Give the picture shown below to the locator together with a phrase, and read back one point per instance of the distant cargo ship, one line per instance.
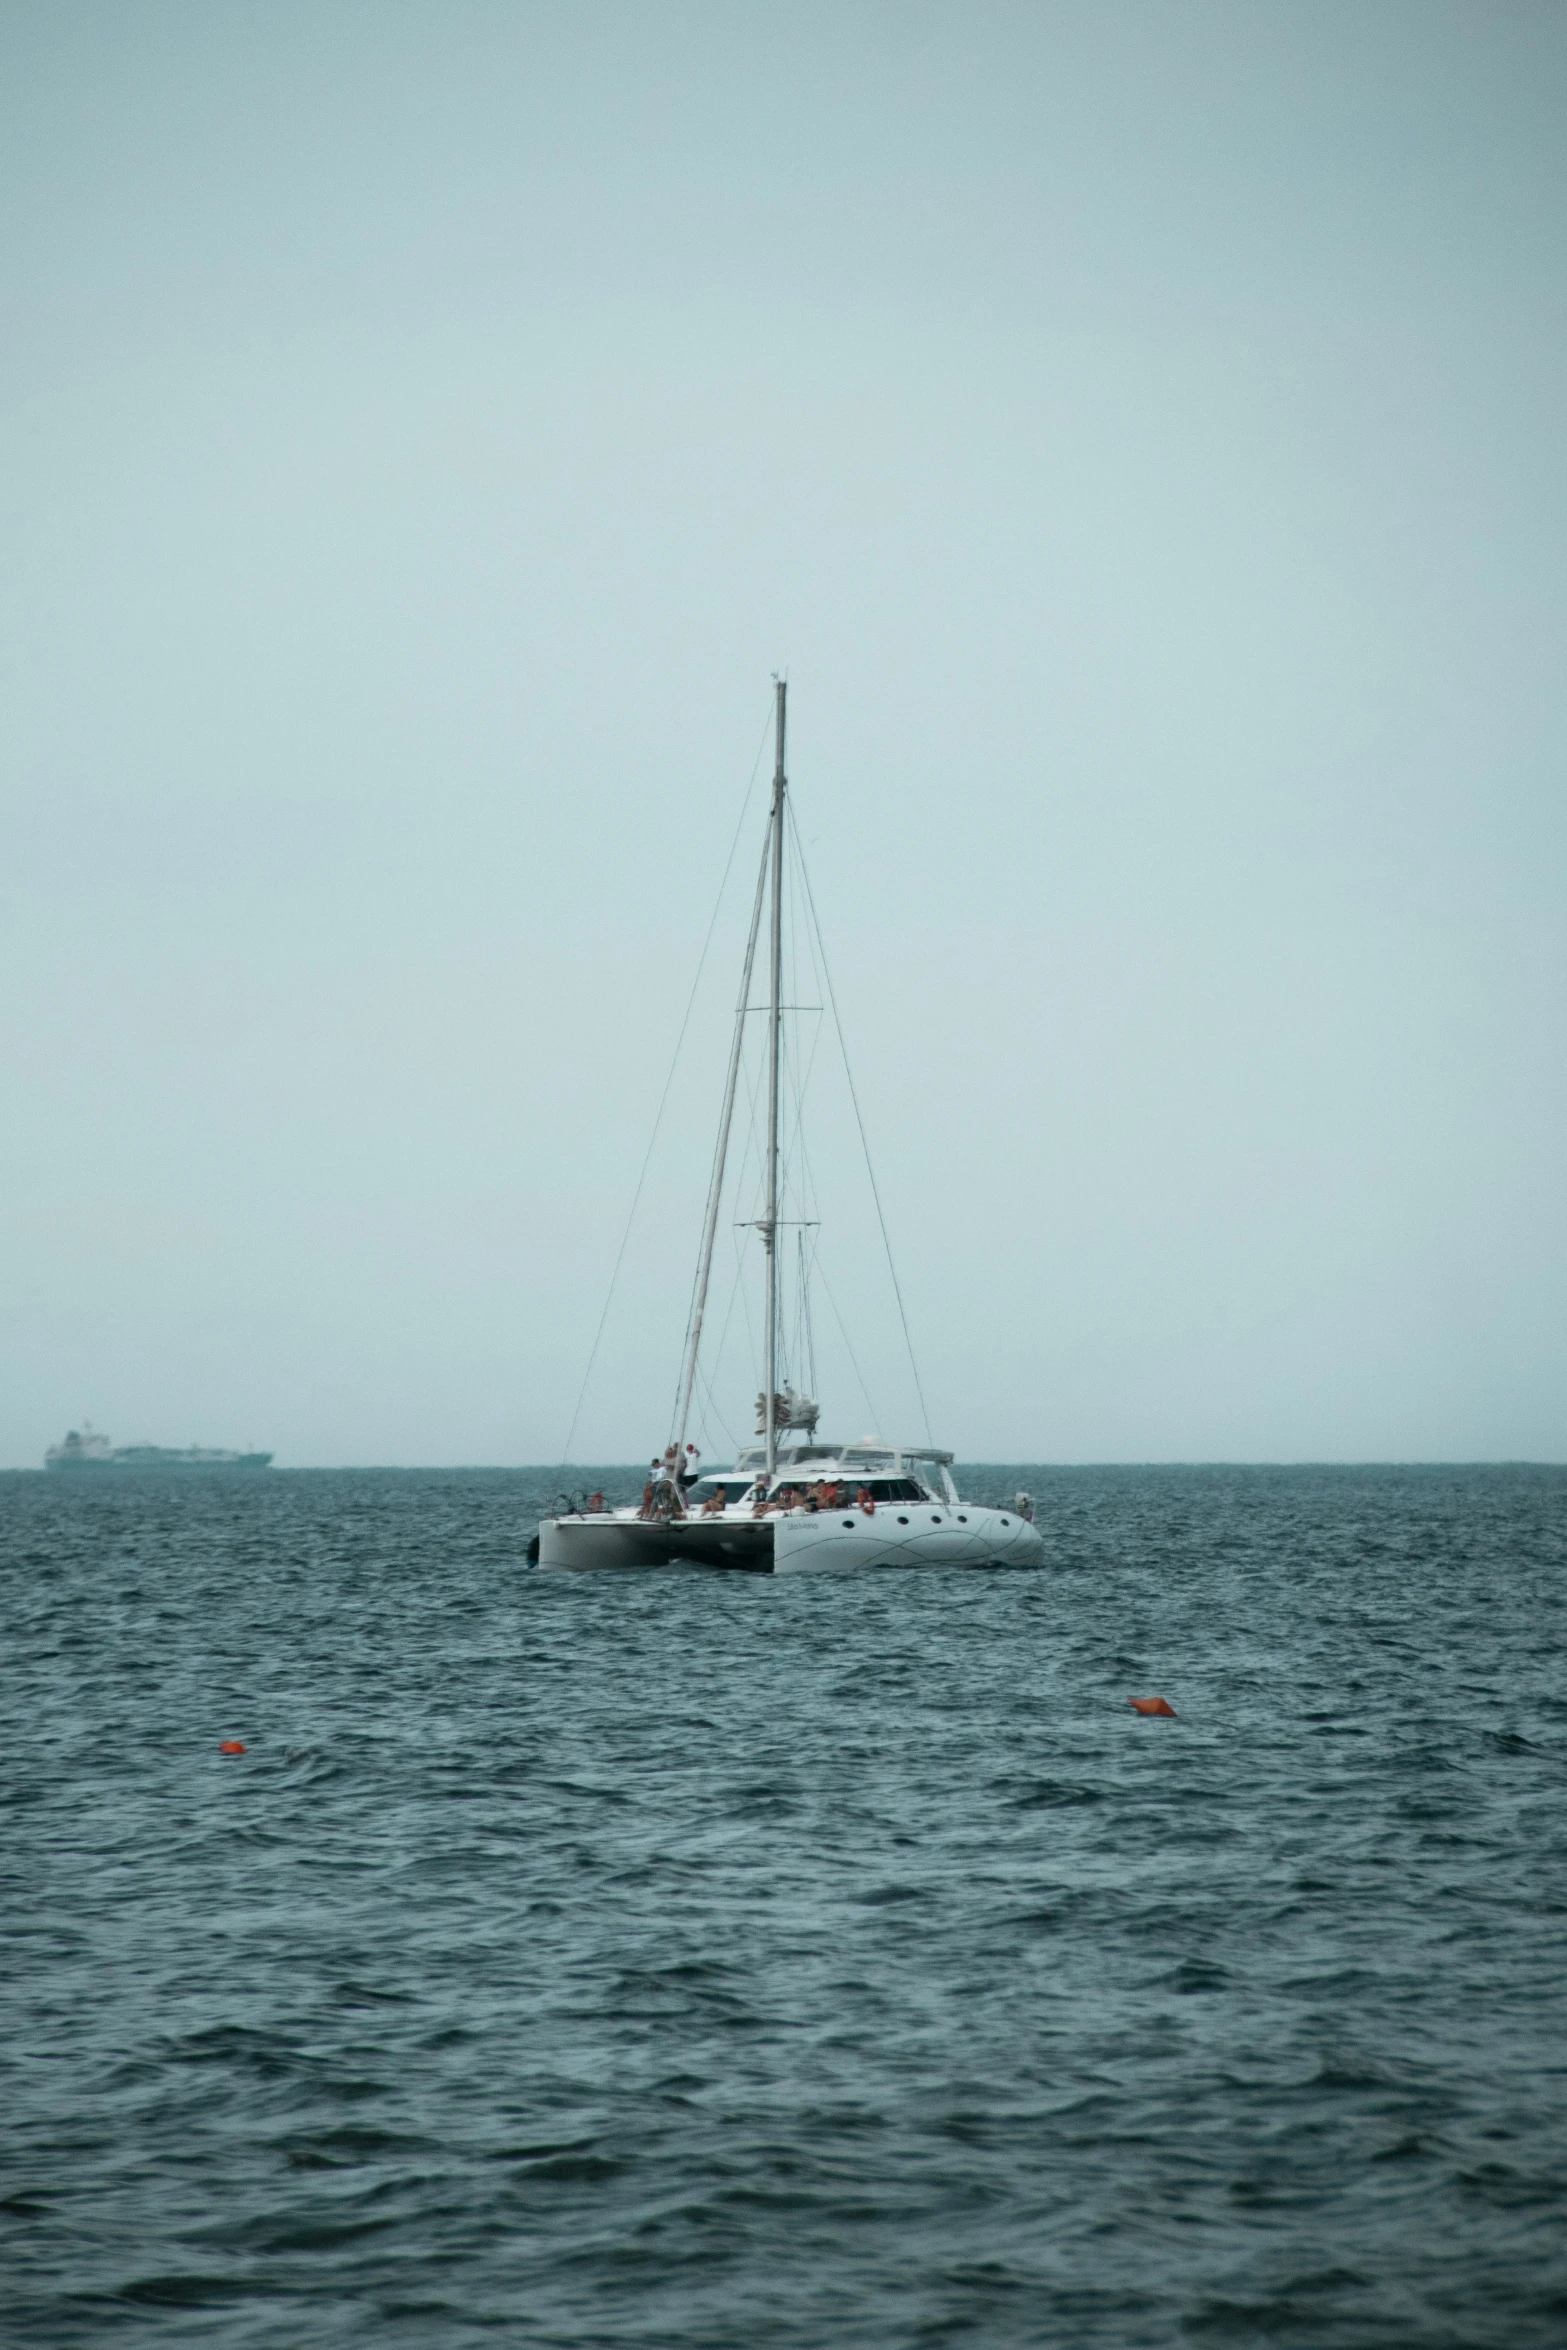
(85, 1448)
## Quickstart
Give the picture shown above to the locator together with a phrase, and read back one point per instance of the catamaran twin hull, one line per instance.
(800, 1542)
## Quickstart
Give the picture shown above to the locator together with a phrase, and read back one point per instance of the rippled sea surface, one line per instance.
(687, 1960)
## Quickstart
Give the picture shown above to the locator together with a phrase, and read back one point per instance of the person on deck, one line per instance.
(716, 1503)
(666, 1493)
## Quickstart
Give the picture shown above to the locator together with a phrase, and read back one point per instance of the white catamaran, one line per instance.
(789, 1503)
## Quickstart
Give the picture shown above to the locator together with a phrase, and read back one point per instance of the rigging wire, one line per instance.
(796, 1172)
(752, 1152)
(663, 1099)
(730, 1438)
(801, 1082)
(816, 1266)
(715, 1181)
(736, 1289)
(808, 1343)
(744, 1296)
(859, 1120)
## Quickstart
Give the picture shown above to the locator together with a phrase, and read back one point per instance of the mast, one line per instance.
(774, 1045)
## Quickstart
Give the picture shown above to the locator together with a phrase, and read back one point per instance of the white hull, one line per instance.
(907, 1534)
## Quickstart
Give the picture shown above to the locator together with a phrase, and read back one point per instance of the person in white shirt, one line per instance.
(666, 1487)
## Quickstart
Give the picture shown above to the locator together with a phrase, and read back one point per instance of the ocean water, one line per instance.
(685, 1960)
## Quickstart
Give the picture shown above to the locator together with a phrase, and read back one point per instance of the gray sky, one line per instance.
(1138, 431)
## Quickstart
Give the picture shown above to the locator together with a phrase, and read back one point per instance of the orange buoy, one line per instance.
(1152, 1705)
(231, 1746)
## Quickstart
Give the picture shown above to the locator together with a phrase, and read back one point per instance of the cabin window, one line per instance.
(936, 1480)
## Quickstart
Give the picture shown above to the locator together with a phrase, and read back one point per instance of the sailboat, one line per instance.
(790, 1503)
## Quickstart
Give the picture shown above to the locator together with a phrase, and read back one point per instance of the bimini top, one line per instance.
(887, 1472)
(864, 1455)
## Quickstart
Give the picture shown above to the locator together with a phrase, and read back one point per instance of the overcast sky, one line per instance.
(1139, 433)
